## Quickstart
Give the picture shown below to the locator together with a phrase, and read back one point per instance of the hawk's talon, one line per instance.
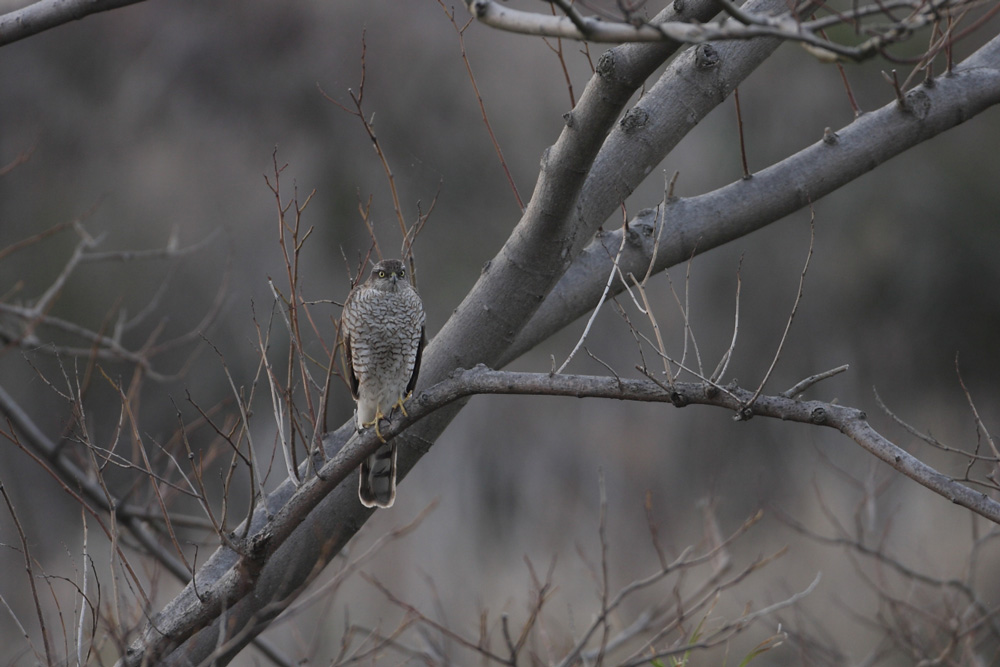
(378, 417)
(399, 404)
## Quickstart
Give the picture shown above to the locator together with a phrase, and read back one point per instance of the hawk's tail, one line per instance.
(377, 486)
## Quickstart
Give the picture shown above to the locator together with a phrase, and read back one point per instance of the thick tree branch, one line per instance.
(578, 186)
(44, 14)
(548, 234)
(698, 224)
(690, 87)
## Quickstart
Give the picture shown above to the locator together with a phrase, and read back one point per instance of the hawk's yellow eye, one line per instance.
(381, 274)
(402, 272)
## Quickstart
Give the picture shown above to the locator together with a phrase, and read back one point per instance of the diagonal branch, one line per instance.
(742, 24)
(45, 14)
(698, 224)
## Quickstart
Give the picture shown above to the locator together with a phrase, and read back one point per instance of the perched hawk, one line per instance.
(383, 331)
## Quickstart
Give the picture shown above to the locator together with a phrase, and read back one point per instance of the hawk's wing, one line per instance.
(352, 377)
(416, 362)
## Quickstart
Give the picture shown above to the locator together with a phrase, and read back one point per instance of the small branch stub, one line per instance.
(706, 57)
(678, 399)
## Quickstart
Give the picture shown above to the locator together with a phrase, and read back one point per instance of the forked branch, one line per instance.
(881, 32)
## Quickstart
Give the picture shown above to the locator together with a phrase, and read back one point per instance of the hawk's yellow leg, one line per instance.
(399, 404)
(378, 417)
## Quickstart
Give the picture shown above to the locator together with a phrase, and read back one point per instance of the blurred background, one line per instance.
(163, 119)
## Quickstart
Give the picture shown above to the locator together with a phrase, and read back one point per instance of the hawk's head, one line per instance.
(387, 273)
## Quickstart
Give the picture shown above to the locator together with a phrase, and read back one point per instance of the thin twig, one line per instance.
(739, 125)
(683, 562)
(416, 613)
(26, 554)
(720, 368)
(558, 50)
(245, 432)
(661, 349)
(600, 302)
(685, 309)
(980, 425)
(369, 125)
(460, 31)
(804, 384)
(602, 534)
(791, 315)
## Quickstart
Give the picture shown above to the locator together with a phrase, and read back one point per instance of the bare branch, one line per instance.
(980, 425)
(100, 345)
(791, 315)
(727, 356)
(695, 225)
(44, 14)
(597, 308)
(731, 628)
(460, 32)
(804, 384)
(742, 25)
(26, 554)
(368, 122)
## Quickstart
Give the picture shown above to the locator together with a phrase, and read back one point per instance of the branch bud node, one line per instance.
(634, 120)
(706, 57)
(606, 65)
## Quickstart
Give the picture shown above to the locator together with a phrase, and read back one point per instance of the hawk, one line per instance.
(383, 331)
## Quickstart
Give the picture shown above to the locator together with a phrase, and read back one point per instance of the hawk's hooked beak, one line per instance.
(394, 277)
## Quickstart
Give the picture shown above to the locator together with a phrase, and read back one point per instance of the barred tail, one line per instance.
(377, 485)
